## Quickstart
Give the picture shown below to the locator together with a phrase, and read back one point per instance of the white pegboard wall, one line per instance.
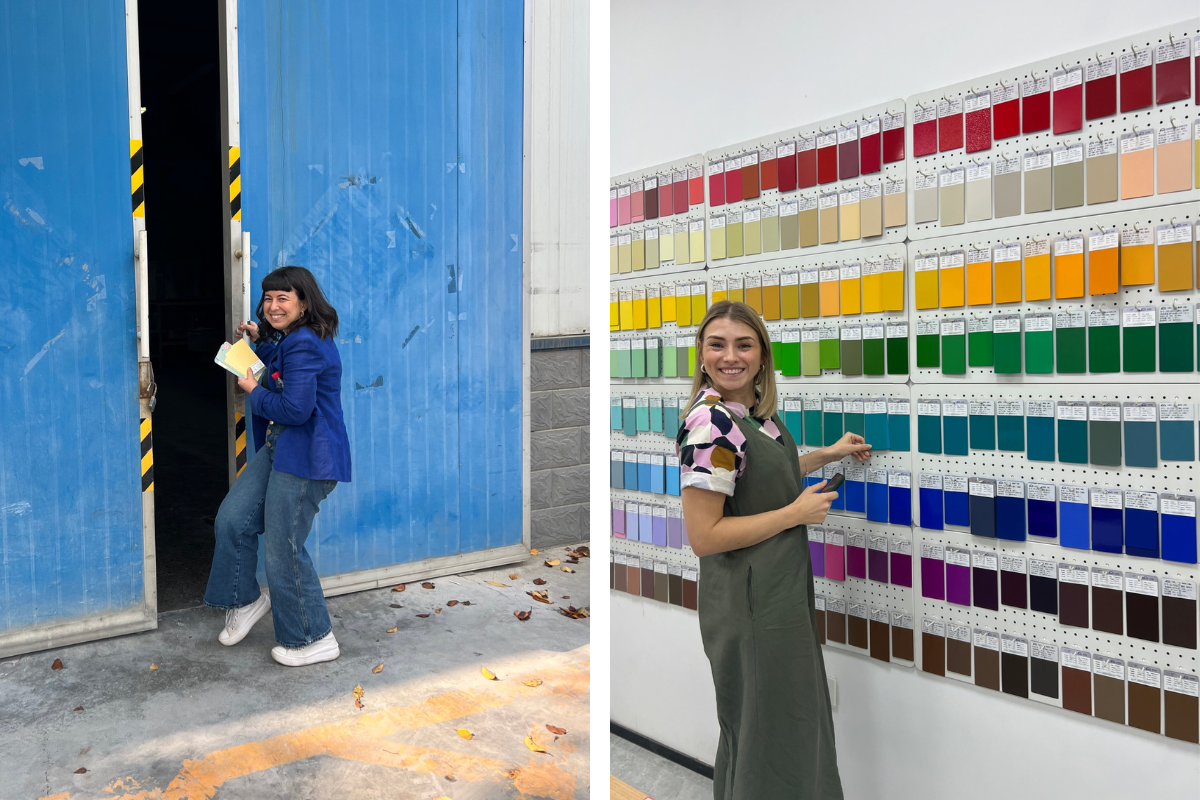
(1171, 476)
(1140, 295)
(680, 557)
(1111, 127)
(893, 172)
(1046, 627)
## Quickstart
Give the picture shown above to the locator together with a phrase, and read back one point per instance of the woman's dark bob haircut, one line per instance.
(320, 315)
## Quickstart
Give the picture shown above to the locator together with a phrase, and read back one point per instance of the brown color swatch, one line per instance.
(810, 300)
(1014, 674)
(1175, 267)
(879, 640)
(648, 583)
(1107, 611)
(620, 578)
(660, 587)
(902, 644)
(1179, 622)
(835, 626)
(987, 668)
(933, 654)
(1145, 707)
(1077, 690)
(1073, 604)
(675, 590)
(689, 594)
(1110, 698)
(857, 631)
(1182, 717)
(828, 225)
(958, 657)
(1141, 614)
(634, 580)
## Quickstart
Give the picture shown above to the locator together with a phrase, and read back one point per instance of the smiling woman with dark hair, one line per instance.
(301, 452)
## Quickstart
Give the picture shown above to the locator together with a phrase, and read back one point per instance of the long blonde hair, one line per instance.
(764, 385)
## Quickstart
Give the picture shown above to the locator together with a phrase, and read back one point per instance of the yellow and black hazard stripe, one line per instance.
(147, 457)
(239, 441)
(135, 178)
(235, 183)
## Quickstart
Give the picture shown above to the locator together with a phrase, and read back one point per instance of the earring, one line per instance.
(702, 369)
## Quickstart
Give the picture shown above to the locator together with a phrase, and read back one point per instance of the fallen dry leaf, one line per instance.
(567, 569)
(557, 731)
(583, 552)
(534, 683)
(154, 666)
(378, 669)
(77, 708)
(393, 629)
(573, 612)
(534, 746)
(437, 611)
(572, 560)
(57, 664)
(541, 597)
(539, 581)
(466, 734)
(552, 562)
(512, 773)
(358, 692)
(487, 673)
(357, 703)
(452, 603)
(522, 615)
(450, 778)
(494, 583)
(566, 597)
(396, 605)
(466, 602)
(399, 588)
(427, 585)
(81, 770)
(422, 616)
(512, 576)
(533, 552)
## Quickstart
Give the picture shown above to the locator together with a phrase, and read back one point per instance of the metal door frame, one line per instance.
(236, 423)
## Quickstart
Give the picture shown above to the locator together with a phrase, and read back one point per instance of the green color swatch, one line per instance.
(873, 361)
(1071, 350)
(979, 349)
(852, 356)
(954, 355)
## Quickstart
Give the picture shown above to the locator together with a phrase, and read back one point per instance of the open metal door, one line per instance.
(76, 467)
(347, 157)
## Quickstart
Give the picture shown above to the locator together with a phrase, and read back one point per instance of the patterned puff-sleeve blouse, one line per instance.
(712, 448)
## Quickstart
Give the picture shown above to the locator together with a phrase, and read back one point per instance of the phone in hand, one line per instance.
(834, 483)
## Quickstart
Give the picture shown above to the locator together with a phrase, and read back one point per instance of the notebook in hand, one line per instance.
(237, 358)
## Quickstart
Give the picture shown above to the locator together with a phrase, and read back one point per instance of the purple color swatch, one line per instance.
(660, 531)
(901, 569)
(958, 584)
(618, 522)
(816, 553)
(675, 532)
(877, 565)
(856, 561)
(645, 528)
(835, 562)
(933, 579)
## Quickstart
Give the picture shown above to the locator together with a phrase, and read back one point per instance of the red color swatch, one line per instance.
(827, 163)
(925, 138)
(893, 145)
(950, 132)
(787, 172)
(652, 203)
(733, 183)
(848, 160)
(869, 154)
(979, 129)
(696, 188)
(679, 188)
(716, 189)
(1006, 118)
(806, 169)
(1172, 81)
(1101, 97)
(1068, 109)
(1135, 89)
(1035, 112)
(769, 173)
(666, 205)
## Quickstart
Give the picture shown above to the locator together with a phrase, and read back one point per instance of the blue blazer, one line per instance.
(307, 399)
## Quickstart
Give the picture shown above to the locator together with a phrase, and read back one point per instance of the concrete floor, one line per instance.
(218, 723)
(654, 776)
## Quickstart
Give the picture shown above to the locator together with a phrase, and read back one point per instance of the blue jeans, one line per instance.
(283, 506)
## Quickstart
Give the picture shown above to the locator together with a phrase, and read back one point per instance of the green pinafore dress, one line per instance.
(759, 628)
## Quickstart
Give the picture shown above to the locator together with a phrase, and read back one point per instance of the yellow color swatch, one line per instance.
(1037, 277)
(699, 302)
(925, 284)
(653, 308)
(893, 288)
(666, 247)
(613, 259)
(872, 289)
(733, 238)
(626, 310)
(979, 281)
(849, 221)
(770, 293)
(754, 293)
(696, 243)
(851, 290)
(668, 304)
(683, 305)
(1137, 265)
(652, 261)
(716, 238)
(753, 232)
(789, 297)
(1175, 267)
(1008, 281)
(718, 290)
(639, 309)
(1068, 276)
(951, 286)
(736, 293)
(639, 254)
(829, 284)
(625, 253)
(614, 311)
(682, 250)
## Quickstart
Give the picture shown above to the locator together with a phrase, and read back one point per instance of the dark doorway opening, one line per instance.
(181, 132)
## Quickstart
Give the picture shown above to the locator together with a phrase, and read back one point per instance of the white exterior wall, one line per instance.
(558, 166)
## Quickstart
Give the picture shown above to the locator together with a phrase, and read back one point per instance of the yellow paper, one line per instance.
(830, 305)
(639, 255)
(653, 308)
(238, 358)
(979, 283)
(697, 245)
(1037, 277)
(1137, 265)
(1175, 267)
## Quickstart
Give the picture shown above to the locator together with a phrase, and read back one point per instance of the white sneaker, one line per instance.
(323, 649)
(239, 621)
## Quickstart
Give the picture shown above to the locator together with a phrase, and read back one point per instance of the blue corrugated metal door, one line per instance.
(71, 541)
(381, 148)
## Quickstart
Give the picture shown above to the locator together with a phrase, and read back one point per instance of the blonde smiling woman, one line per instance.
(746, 513)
